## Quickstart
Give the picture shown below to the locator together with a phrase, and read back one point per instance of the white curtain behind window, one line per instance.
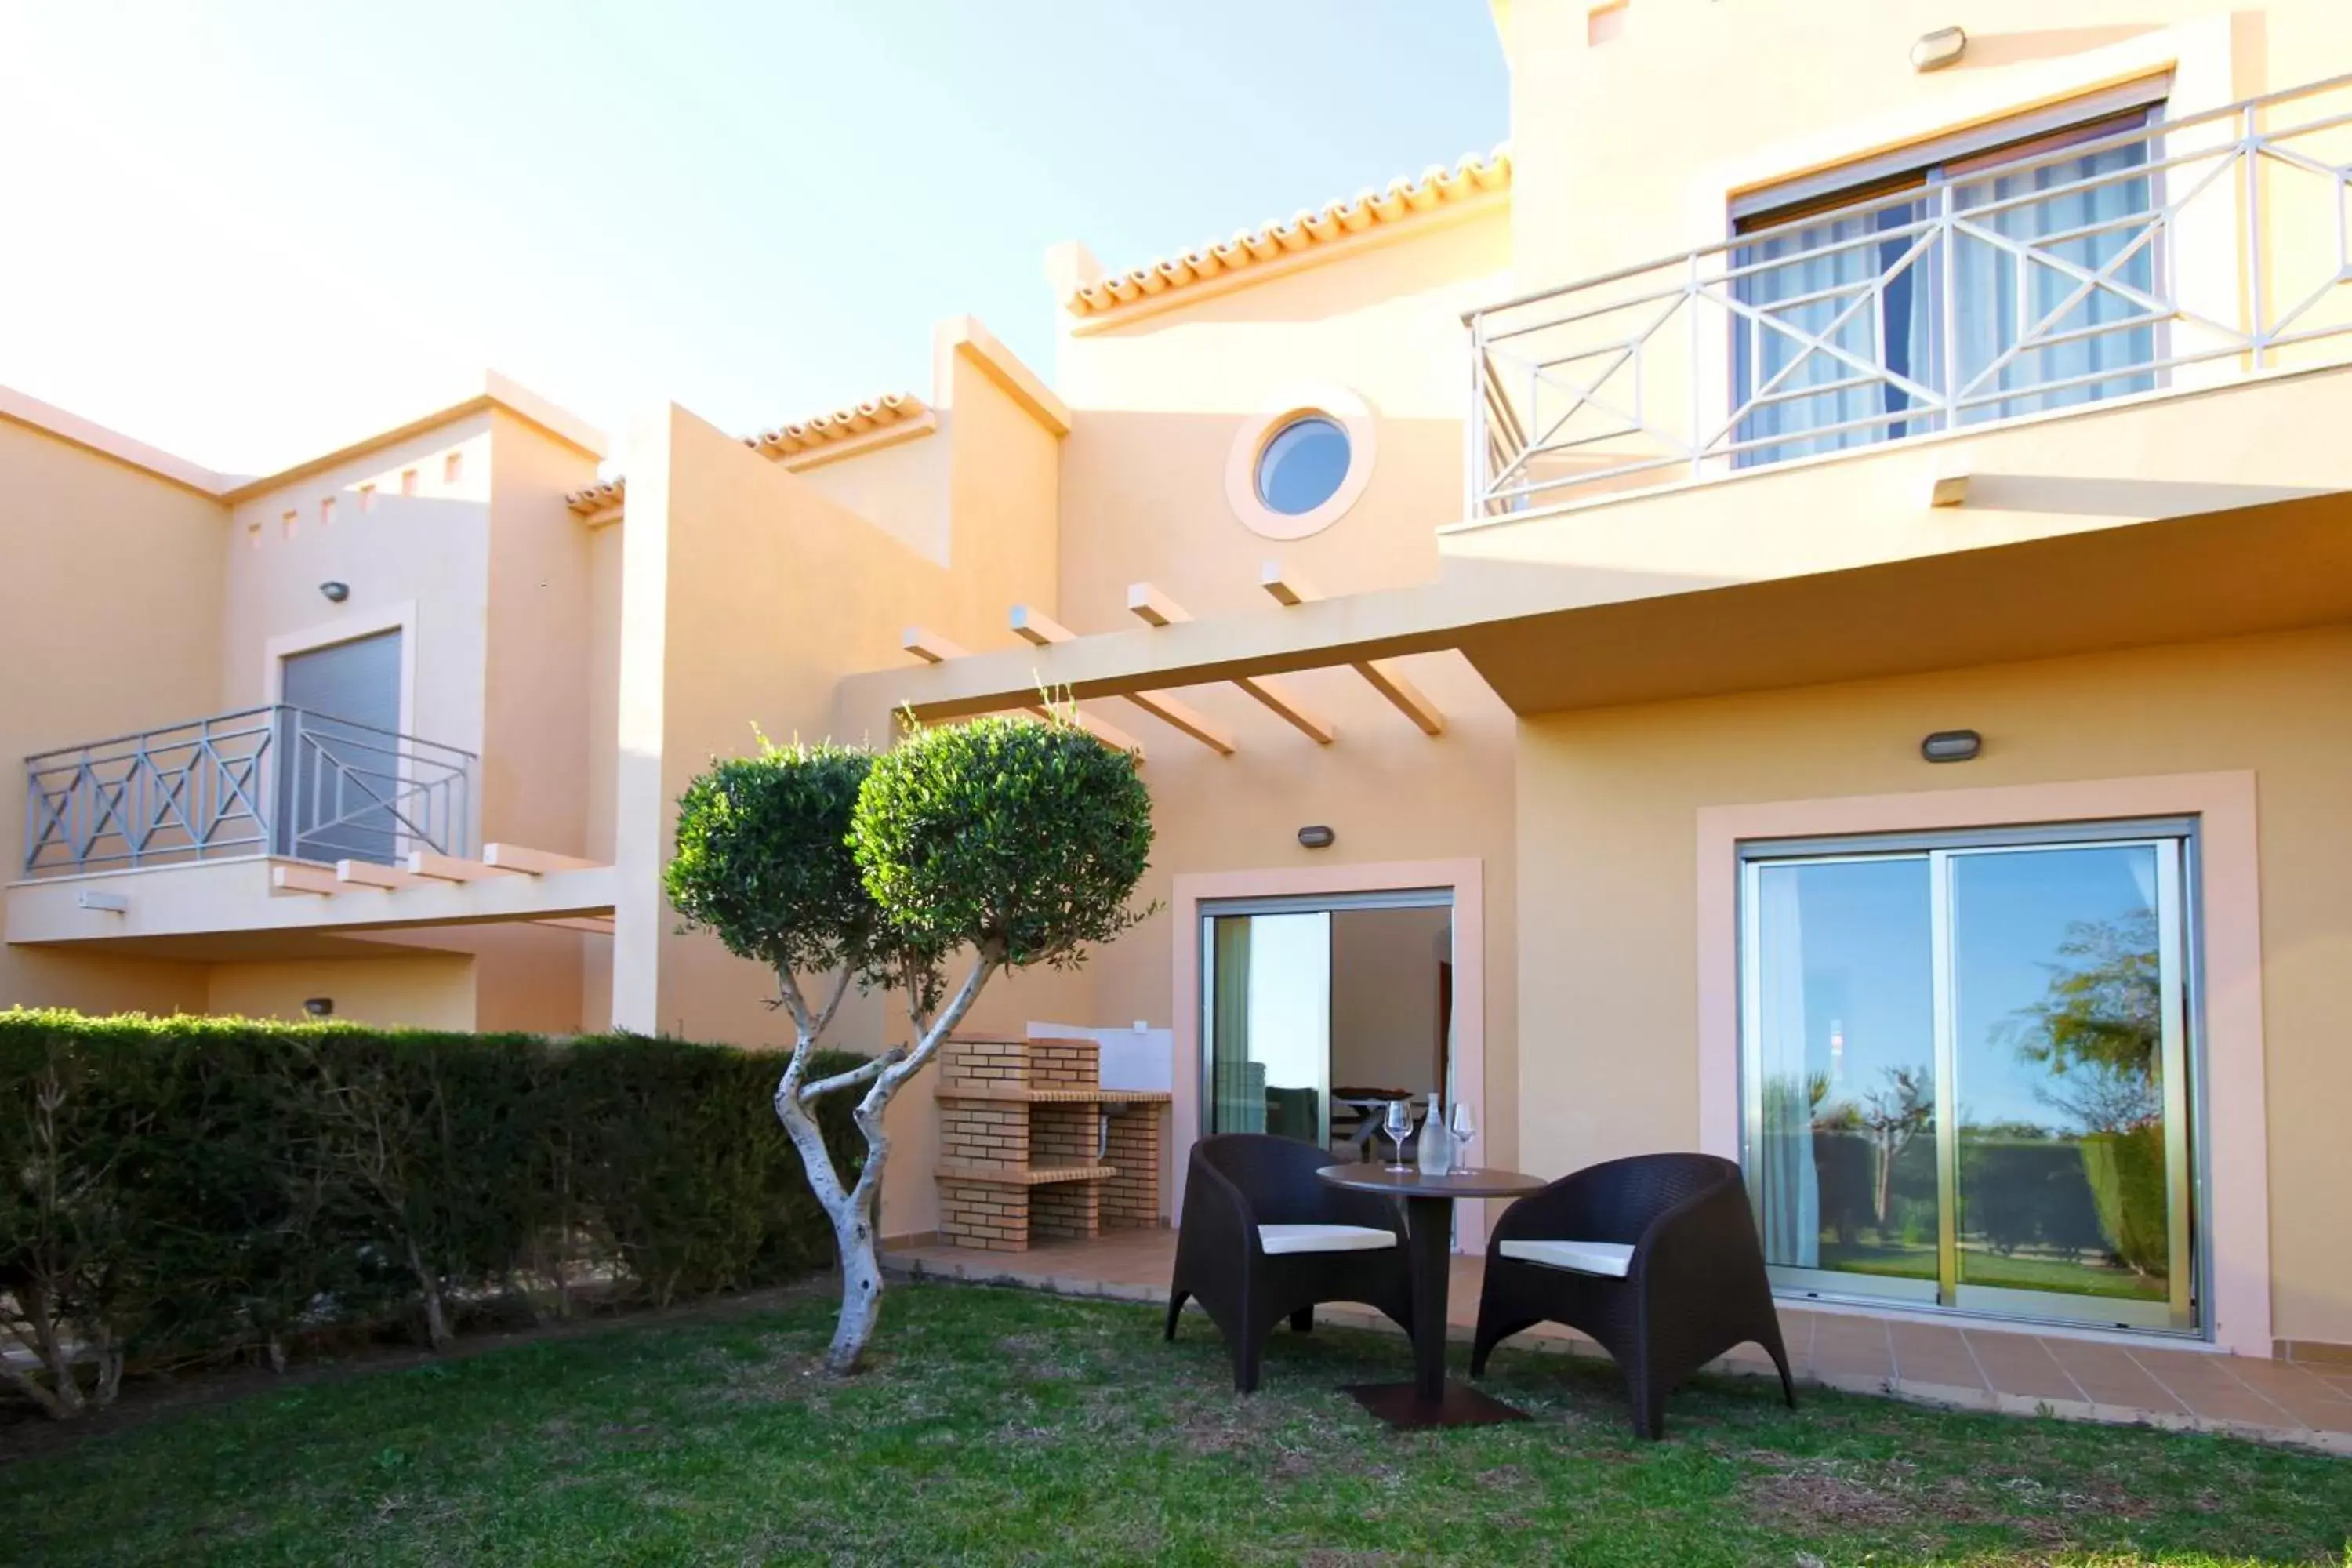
(1998, 299)
(1808, 277)
(1788, 1187)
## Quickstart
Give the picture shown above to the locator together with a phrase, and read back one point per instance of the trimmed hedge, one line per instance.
(176, 1190)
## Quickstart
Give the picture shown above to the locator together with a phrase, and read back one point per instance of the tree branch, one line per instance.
(872, 1067)
(894, 1075)
(832, 1003)
(788, 986)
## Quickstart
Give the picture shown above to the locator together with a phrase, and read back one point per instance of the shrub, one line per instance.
(175, 1190)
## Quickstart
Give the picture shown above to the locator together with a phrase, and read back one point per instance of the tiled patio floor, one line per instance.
(1972, 1367)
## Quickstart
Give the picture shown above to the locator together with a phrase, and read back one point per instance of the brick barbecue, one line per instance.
(1032, 1147)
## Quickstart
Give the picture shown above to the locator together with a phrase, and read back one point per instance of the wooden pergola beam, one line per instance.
(1152, 607)
(933, 648)
(1287, 588)
(596, 925)
(368, 874)
(1110, 735)
(1036, 626)
(1177, 713)
(1391, 683)
(533, 862)
(438, 867)
(929, 646)
(1278, 700)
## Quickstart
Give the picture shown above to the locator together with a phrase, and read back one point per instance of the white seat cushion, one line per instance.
(1323, 1238)
(1610, 1258)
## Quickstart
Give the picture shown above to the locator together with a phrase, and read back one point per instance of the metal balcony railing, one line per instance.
(267, 781)
(2165, 254)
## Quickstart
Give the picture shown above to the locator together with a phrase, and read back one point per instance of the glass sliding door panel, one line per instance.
(2068, 1076)
(1266, 1007)
(1841, 1076)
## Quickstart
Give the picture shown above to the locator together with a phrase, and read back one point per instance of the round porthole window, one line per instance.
(1301, 462)
(1304, 465)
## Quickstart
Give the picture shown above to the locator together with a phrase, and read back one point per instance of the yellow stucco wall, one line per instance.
(1694, 100)
(432, 991)
(110, 609)
(1607, 806)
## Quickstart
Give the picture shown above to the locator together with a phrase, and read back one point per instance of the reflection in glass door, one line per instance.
(1966, 1077)
(2069, 1082)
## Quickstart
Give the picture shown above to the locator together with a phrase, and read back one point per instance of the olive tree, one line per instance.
(995, 844)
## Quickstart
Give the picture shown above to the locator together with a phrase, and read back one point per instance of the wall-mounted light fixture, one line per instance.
(1939, 48)
(1951, 746)
(319, 1007)
(1317, 837)
(336, 593)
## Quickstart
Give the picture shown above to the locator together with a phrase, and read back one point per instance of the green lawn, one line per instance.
(1001, 1426)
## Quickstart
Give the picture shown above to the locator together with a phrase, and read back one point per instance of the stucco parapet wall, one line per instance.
(1689, 590)
(800, 444)
(48, 418)
(1278, 246)
(209, 898)
(877, 422)
(963, 337)
(496, 391)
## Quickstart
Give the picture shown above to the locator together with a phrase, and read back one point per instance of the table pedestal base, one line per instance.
(1403, 1405)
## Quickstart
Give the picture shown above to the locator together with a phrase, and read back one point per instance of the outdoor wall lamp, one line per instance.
(336, 593)
(319, 1007)
(1951, 746)
(1939, 48)
(1317, 837)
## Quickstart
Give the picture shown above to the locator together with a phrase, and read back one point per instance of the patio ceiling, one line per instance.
(2206, 513)
(1547, 636)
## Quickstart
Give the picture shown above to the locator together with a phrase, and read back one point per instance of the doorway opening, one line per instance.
(1318, 1011)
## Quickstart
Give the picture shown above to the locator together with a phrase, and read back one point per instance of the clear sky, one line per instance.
(249, 231)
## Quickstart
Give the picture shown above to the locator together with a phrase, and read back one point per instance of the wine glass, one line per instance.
(1398, 1125)
(1465, 1132)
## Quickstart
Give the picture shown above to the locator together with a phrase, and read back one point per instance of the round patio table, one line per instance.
(1431, 1399)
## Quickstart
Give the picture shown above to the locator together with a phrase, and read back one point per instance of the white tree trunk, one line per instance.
(852, 1211)
(861, 1292)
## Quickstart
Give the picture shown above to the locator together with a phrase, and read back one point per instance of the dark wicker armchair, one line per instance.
(1263, 1238)
(1655, 1256)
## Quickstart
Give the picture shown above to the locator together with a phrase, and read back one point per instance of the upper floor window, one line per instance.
(2003, 273)
(1304, 465)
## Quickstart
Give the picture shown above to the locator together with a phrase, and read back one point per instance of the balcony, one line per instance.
(267, 781)
(2109, 261)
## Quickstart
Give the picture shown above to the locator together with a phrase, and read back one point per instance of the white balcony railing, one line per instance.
(267, 781)
(2166, 255)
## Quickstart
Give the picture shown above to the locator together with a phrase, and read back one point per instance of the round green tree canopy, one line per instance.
(763, 857)
(1023, 838)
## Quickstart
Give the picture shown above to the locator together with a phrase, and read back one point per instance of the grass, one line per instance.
(1004, 1427)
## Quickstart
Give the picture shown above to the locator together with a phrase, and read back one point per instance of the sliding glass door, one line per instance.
(1967, 1072)
(1318, 1010)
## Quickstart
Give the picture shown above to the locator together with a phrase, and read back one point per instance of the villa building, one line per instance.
(1802, 609)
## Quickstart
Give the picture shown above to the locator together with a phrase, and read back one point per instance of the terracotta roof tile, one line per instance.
(1405, 199)
(597, 498)
(785, 444)
(788, 441)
